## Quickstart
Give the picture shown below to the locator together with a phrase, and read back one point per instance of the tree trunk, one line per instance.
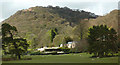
(95, 54)
(100, 54)
(112, 54)
(19, 57)
(106, 54)
(81, 35)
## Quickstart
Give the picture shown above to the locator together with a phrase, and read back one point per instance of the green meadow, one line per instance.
(66, 58)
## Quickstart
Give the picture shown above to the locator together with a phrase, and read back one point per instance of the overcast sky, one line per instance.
(99, 7)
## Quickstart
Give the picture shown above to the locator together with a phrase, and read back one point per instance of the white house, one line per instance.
(71, 44)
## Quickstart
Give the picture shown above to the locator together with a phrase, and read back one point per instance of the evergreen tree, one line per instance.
(12, 44)
(53, 33)
(102, 40)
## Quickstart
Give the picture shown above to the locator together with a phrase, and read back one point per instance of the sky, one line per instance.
(99, 7)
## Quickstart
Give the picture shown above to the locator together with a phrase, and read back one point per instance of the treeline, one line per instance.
(102, 41)
(71, 15)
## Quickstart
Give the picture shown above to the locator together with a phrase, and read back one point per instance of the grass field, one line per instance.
(66, 58)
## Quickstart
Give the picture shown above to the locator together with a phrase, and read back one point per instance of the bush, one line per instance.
(8, 59)
(35, 53)
(38, 53)
(54, 52)
(66, 50)
(27, 59)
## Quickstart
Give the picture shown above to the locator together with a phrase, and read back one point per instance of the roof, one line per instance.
(69, 42)
(73, 42)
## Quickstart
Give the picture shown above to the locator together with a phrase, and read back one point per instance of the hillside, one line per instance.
(111, 20)
(35, 23)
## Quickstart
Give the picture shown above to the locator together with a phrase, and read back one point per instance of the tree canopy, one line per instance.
(102, 40)
(11, 43)
(53, 33)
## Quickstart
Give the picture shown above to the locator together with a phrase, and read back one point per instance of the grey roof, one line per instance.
(69, 42)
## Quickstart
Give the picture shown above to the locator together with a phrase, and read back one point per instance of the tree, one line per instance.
(14, 45)
(118, 44)
(32, 39)
(18, 47)
(68, 39)
(81, 29)
(102, 40)
(7, 35)
(53, 33)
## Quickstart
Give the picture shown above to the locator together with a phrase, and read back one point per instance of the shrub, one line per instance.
(27, 59)
(54, 52)
(38, 53)
(8, 59)
(66, 50)
(35, 53)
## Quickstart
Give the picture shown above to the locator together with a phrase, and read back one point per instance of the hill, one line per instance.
(110, 19)
(35, 24)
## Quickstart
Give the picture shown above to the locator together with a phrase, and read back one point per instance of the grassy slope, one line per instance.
(68, 58)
